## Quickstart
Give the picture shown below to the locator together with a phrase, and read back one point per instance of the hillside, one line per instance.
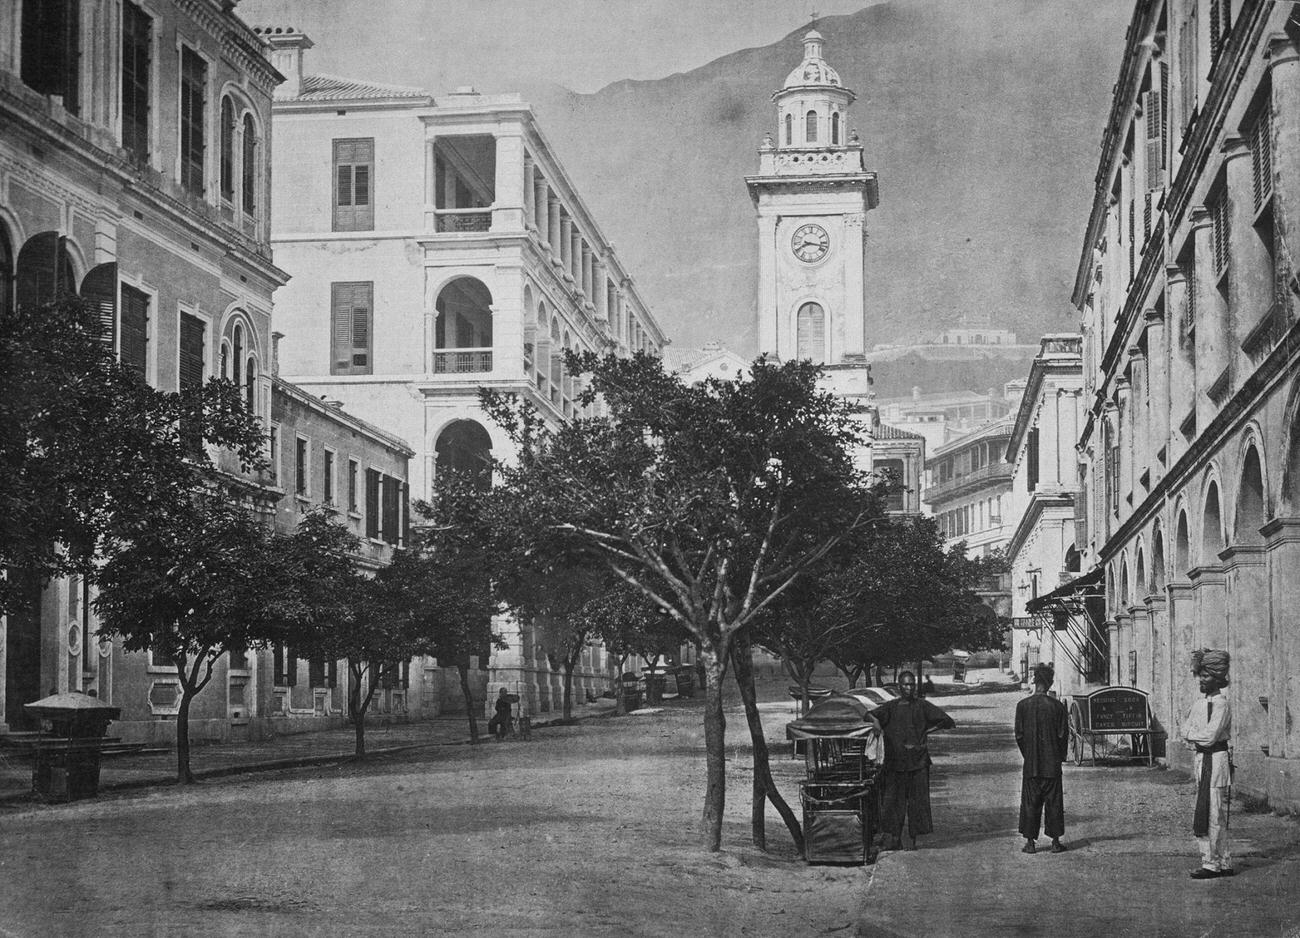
(982, 125)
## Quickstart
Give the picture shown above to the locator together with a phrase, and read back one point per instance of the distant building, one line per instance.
(134, 172)
(974, 336)
(713, 360)
(898, 457)
(942, 417)
(1041, 551)
(437, 247)
(969, 488)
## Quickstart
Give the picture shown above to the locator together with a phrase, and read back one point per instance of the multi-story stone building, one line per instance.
(969, 488)
(1041, 553)
(437, 246)
(1188, 292)
(134, 171)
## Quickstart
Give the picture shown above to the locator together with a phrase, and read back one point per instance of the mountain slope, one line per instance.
(981, 118)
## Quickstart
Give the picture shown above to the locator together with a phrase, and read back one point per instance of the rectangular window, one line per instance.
(1031, 459)
(135, 330)
(1219, 208)
(137, 29)
(285, 665)
(354, 165)
(351, 319)
(353, 471)
(392, 490)
(329, 477)
(301, 473)
(274, 456)
(194, 83)
(316, 672)
(51, 49)
(372, 503)
(191, 370)
(1260, 138)
(1188, 74)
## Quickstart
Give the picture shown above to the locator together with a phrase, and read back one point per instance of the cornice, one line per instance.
(1038, 504)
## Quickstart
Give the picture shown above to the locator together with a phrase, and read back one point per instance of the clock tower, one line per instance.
(812, 195)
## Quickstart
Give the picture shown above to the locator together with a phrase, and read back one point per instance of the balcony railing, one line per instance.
(462, 219)
(462, 361)
(993, 474)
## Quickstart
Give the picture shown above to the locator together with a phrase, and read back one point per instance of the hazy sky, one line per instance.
(506, 45)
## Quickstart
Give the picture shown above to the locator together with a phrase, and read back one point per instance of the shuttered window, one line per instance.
(227, 149)
(137, 31)
(1153, 110)
(135, 330)
(51, 49)
(1188, 74)
(194, 81)
(99, 290)
(353, 470)
(1261, 155)
(810, 127)
(1031, 459)
(391, 523)
(316, 672)
(301, 469)
(330, 494)
(810, 328)
(354, 167)
(351, 319)
(372, 503)
(250, 165)
(1219, 212)
(789, 130)
(190, 370)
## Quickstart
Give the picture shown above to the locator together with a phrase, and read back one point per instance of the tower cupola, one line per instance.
(812, 105)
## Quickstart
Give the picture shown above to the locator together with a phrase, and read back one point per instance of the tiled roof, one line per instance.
(886, 432)
(334, 88)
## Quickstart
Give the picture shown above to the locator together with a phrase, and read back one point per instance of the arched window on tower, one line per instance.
(227, 149)
(789, 129)
(835, 129)
(810, 329)
(810, 127)
(249, 167)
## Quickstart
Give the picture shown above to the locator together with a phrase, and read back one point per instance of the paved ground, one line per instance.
(589, 830)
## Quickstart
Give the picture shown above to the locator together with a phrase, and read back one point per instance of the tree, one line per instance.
(711, 499)
(89, 453)
(208, 577)
(628, 623)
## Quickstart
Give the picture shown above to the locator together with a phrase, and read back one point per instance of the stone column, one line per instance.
(1181, 361)
(430, 185)
(530, 193)
(1282, 560)
(1250, 282)
(1125, 429)
(1140, 422)
(1139, 642)
(554, 233)
(1210, 317)
(768, 315)
(566, 246)
(602, 292)
(1284, 67)
(1248, 632)
(587, 273)
(1159, 687)
(541, 205)
(1209, 585)
(508, 206)
(575, 253)
(1158, 397)
(1183, 689)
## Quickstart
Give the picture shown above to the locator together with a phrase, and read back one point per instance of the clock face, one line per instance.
(810, 243)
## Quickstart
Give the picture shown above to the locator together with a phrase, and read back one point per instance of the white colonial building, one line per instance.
(436, 247)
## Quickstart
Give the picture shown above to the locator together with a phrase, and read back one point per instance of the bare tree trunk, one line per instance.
(715, 733)
(569, 665)
(764, 785)
(357, 709)
(462, 668)
(618, 685)
(183, 774)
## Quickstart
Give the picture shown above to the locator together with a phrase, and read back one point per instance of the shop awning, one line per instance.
(1070, 610)
(1089, 584)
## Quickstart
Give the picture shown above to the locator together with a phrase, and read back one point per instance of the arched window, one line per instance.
(810, 127)
(464, 448)
(464, 323)
(44, 270)
(250, 384)
(250, 165)
(835, 129)
(810, 328)
(789, 129)
(227, 149)
(237, 344)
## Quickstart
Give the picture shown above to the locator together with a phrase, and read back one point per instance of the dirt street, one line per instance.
(590, 830)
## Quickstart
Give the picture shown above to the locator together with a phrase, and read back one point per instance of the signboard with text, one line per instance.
(1117, 710)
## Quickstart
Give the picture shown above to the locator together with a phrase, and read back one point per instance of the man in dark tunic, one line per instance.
(1043, 735)
(906, 721)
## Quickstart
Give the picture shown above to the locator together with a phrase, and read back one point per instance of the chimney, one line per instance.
(287, 47)
(275, 353)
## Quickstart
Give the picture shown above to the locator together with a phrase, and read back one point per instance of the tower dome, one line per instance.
(813, 70)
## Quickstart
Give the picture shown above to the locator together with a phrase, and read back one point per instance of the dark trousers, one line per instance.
(1042, 799)
(906, 795)
(499, 725)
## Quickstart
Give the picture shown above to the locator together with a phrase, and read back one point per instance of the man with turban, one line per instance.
(907, 721)
(1207, 730)
(1043, 735)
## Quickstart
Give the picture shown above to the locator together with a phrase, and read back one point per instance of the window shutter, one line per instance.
(810, 328)
(406, 514)
(99, 290)
(135, 330)
(1221, 232)
(1155, 140)
(227, 148)
(353, 196)
(333, 678)
(1031, 459)
(290, 668)
(194, 78)
(191, 352)
(1146, 214)
(136, 30)
(1215, 31)
(372, 503)
(391, 493)
(1261, 155)
(277, 665)
(351, 325)
(316, 672)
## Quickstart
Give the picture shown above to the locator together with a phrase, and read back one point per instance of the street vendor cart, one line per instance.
(1111, 713)
(842, 750)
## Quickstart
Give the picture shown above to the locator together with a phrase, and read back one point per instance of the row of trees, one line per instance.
(108, 478)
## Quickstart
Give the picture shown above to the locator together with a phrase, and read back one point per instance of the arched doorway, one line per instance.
(1211, 527)
(465, 450)
(1250, 502)
(1182, 548)
(463, 328)
(44, 270)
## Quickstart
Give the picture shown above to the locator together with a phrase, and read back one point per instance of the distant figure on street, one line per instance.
(1207, 729)
(499, 725)
(1043, 735)
(906, 722)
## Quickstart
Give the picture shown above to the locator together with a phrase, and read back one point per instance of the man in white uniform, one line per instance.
(1207, 729)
